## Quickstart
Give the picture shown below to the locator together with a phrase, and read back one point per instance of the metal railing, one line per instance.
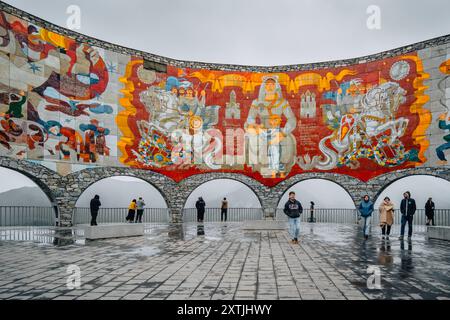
(337, 215)
(27, 216)
(45, 216)
(331, 215)
(118, 215)
(233, 214)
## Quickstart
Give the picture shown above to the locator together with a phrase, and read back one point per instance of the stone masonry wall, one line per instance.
(64, 191)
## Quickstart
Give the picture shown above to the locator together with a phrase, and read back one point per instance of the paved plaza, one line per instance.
(222, 261)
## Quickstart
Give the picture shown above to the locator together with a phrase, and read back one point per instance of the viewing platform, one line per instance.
(221, 260)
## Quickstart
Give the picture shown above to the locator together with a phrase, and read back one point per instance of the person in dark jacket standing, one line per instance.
(429, 211)
(407, 208)
(224, 210)
(200, 205)
(293, 209)
(365, 210)
(311, 209)
(95, 206)
(140, 204)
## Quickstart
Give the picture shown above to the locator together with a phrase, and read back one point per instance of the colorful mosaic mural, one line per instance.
(73, 104)
(360, 120)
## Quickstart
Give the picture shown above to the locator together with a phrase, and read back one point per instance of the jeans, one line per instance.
(294, 227)
(139, 214)
(409, 219)
(440, 151)
(223, 214)
(366, 225)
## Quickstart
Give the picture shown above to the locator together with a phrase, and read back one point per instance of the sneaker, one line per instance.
(292, 241)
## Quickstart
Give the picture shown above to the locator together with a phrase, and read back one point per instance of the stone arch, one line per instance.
(46, 179)
(348, 183)
(77, 182)
(210, 180)
(385, 180)
(188, 185)
(337, 185)
(138, 178)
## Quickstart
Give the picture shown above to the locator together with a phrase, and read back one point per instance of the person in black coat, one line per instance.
(429, 211)
(311, 209)
(407, 208)
(200, 205)
(95, 206)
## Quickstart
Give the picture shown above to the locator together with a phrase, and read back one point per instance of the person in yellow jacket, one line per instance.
(386, 216)
(131, 211)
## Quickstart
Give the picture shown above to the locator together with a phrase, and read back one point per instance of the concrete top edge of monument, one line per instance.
(216, 66)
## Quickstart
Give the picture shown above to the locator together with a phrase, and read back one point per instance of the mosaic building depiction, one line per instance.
(71, 105)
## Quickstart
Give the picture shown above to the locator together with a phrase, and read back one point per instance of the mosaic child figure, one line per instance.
(274, 147)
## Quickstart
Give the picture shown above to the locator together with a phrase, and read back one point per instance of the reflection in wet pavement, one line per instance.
(330, 263)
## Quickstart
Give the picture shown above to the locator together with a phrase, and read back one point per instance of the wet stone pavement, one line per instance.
(222, 261)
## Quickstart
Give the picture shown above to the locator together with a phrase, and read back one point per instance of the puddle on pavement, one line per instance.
(41, 236)
(144, 251)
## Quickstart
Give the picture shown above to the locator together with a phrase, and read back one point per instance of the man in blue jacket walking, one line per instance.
(365, 211)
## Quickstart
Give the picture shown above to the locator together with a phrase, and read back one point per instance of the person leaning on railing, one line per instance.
(131, 211)
(95, 206)
(140, 204)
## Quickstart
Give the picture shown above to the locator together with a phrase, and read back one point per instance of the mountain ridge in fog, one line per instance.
(24, 196)
(119, 193)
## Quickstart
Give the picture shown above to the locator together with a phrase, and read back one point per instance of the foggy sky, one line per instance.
(253, 32)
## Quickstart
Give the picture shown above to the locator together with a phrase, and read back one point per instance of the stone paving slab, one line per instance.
(227, 262)
(264, 225)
